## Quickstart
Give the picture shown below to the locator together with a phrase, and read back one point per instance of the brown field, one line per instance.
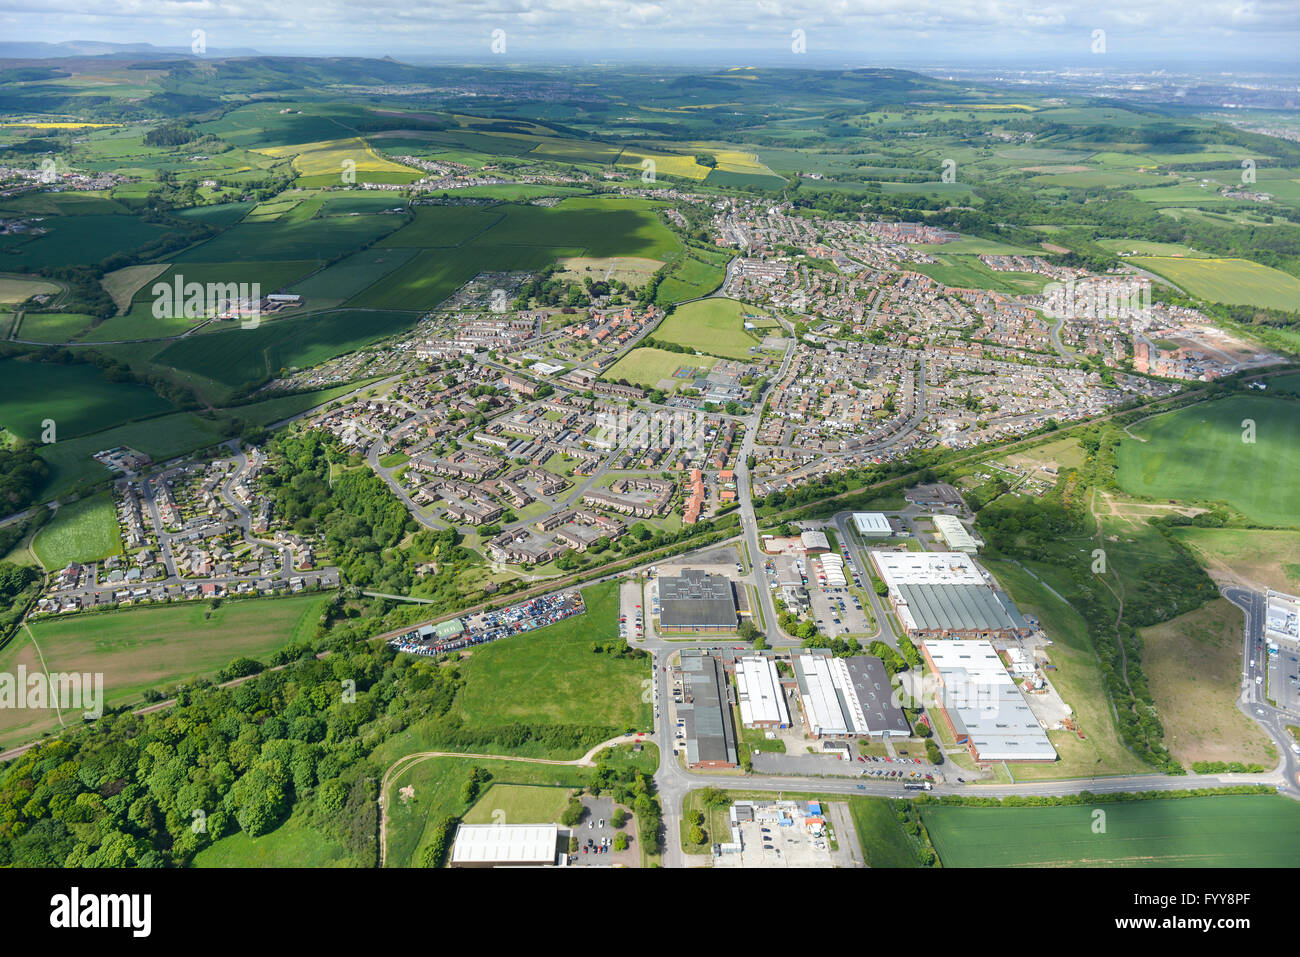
(1193, 665)
(631, 270)
(1256, 558)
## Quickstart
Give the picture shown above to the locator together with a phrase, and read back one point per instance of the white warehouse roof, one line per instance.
(872, 524)
(927, 568)
(758, 688)
(955, 534)
(521, 844)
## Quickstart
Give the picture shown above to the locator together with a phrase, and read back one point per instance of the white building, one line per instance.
(955, 535)
(872, 525)
(505, 845)
(758, 690)
(982, 705)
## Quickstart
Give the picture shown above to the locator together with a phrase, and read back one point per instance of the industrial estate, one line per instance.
(479, 467)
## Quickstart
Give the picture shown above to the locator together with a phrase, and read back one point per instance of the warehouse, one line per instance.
(759, 692)
(981, 704)
(954, 534)
(946, 595)
(697, 602)
(814, 542)
(706, 713)
(872, 525)
(847, 697)
(833, 569)
(505, 845)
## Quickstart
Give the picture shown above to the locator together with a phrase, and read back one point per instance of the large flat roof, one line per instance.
(848, 695)
(710, 733)
(505, 844)
(956, 608)
(985, 704)
(926, 568)
(872, 523)
(696, 598)
(955, 534)
(758, 688)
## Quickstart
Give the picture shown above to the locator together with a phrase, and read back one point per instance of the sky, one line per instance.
(1152, 34)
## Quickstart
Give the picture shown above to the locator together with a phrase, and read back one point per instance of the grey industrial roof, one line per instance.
(710, 732)
(696, 598)
(947, 607)
(875, 694)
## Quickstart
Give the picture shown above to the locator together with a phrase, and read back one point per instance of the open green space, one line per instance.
(712, 326)
(647, 366)
(519, 804)
(54, 327)
(293, 844)
(84, 531)
(1200, 454)
(76, 240)
(1218, 831)
(967, 272)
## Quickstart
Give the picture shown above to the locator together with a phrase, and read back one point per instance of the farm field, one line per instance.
(1222, 831)
(122, 284)
(1193, 668)
(689, 278)
(967, 272)
(1197, 454)
(52, 326)
(242, 357)
(438, 226)
(648, 367)
(1261, 558)
(346, 278)
(154, 646)
(84, 531)
(1232, 281)
(161, 438)
(14, 290)
(77, 240)
(712, 326)
(78, 398)
(288, 240)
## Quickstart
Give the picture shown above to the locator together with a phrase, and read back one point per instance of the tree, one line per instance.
(620, 841)
(696, 835)
(618, 818)
(572, 813)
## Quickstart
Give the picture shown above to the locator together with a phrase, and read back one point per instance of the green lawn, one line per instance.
(646, 366)
(1197, 454)
(1219, 831)
(85, 531)
(519, 804)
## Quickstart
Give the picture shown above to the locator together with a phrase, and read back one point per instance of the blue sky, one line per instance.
(1151, 33)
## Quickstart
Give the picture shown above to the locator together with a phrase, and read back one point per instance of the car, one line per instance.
(862, 787)
(590, 825)
(584, 850)
(602, 822)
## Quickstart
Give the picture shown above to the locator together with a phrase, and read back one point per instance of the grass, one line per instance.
(437, 785)
(1269, 559)
(712, 326)
(14, 290)
(85, 531)
(1193, 667)
(1219, 831)
(153, 647)
(55, 327)
(551, 675)
(286, 240)
(647, 367)
(1078, 678)
(1233, 281)
(78, 399)
(349, 276)
(439, 226)
(967, 272)
(1197, 454)
(293, 844)
(519, 804)
(77, 240)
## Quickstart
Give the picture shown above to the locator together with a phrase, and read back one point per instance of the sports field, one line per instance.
(1222, 831)
(1233, 281)
(649, 367)
(712, 326)
(153, 647)
(1198, 454)
(84, 531)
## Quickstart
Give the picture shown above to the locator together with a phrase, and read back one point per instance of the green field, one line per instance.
(1198, 454)
(712, 326)
(520, 804)
(292, 844)
(647, 366)
(436, 226)
(85, 531)
(967, 272)
(76, 240)
(239, 358)
(53, 326)
(1223, 831)
(1232, 281)
(153, 647)
(78, 398)
(288, 240)
(348, 277)
(551, 675)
